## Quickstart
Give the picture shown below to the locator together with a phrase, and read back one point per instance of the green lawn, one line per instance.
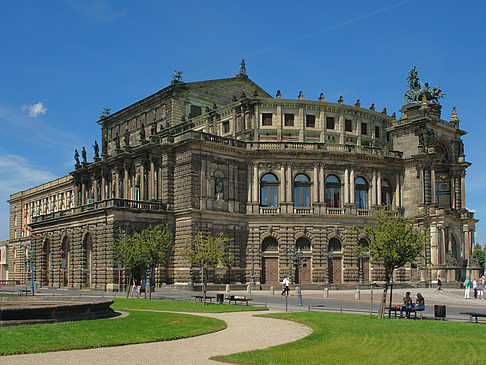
(353, 339)
(179, 306)
(138, 327)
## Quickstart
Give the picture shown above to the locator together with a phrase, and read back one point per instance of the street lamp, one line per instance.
(298, 261)
(360, 271)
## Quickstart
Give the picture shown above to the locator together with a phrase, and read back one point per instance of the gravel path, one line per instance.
(244, 332)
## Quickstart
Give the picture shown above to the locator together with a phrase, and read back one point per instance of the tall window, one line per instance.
(289, 120)
(361, 193)
(443, 191)
(310, 121)
(268, 190)
(364, 129)
(348, 125)
(333, 192)
(329, 123)
(266, 119)
(377, 132)
(386, 194)
(301, 191)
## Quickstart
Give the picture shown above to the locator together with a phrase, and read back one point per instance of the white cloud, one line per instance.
(97, 10)
(17, 174)
(35, 109)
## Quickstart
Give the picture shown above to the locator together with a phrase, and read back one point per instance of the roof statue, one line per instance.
(417, 91)
(177, 76)
(96, 148)
(105, 112)
(242, 67)
(83, 153)
(76, 157)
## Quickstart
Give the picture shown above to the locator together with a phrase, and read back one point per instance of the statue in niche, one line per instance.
(126, 137)
(104, 145)
(83, 153)
(117, 141)
(142, 132)
(451, 260)
(218, 185)
(153, 129)
(76, 157)
(96, 149)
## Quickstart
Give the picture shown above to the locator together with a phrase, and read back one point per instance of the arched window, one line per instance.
(268, 190)
(88, 259)
(269, 244)
(361, 193)
(333, 192)
(65, 251)
(386, 194)
(363, 242)
(301, 191)
(334, 245)
(302, 244)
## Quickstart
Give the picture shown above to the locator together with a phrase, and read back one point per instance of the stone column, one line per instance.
(283, 183)
(255, 183)
(125, 183)
(117, 185)
(457, 192)
(248, 182)
(315, 190)
(397, 198)
(463, 192)
(434, 243)
(432, 186)
(427, 185)
(95, 190)
(373, 189)
(378, 188)
(289, 187)
(103, 187)
(151, 180)
(346, 186)
(322, 184)
(351, 187)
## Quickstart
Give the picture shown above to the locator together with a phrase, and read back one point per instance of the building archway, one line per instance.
(87, 279)
(335, 260)
(46, 253)
(65, 255)
(303, 244)
(269, 260)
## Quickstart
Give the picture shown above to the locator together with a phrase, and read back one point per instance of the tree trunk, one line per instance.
(129, 286)
(381, 312)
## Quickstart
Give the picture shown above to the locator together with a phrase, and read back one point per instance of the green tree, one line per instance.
(147, 248)
(479, 252)
(208, 252)
(394, 242)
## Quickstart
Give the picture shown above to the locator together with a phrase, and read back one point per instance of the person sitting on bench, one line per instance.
(407, 304)
(419, 304)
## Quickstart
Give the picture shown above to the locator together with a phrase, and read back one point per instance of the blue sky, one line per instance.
(63, 61)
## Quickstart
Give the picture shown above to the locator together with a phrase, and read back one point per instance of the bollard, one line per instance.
(326, 292)
(227, 288)
(357, 294)
(248, 289)
(272, 291)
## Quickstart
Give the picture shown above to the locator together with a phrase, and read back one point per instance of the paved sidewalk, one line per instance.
(244, 332)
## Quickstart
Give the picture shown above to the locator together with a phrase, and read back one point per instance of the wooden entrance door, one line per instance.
(366, 270)
(270, 270)
(305, 272)
(335, 270)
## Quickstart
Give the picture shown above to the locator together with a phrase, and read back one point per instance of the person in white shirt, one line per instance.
(285, 286)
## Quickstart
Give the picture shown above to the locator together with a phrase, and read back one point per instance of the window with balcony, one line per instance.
(289, 120)
(266, 119)
(361, 193)
(301, 191)
(333, 192)
(386, 194)
(269, 190)
(310, 121)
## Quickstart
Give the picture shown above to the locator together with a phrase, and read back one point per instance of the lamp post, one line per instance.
(298, 261)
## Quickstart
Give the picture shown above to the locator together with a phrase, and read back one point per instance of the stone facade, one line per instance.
(273, 174)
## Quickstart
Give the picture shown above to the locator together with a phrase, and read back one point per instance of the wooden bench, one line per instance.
(396, 312)
(234, 298)
(475, 315)
(201, 298)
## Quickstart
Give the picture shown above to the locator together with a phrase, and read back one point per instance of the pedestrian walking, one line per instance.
(285, 286)
(480, 289)
(475, 288)
(439, 283)
(467, 285)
